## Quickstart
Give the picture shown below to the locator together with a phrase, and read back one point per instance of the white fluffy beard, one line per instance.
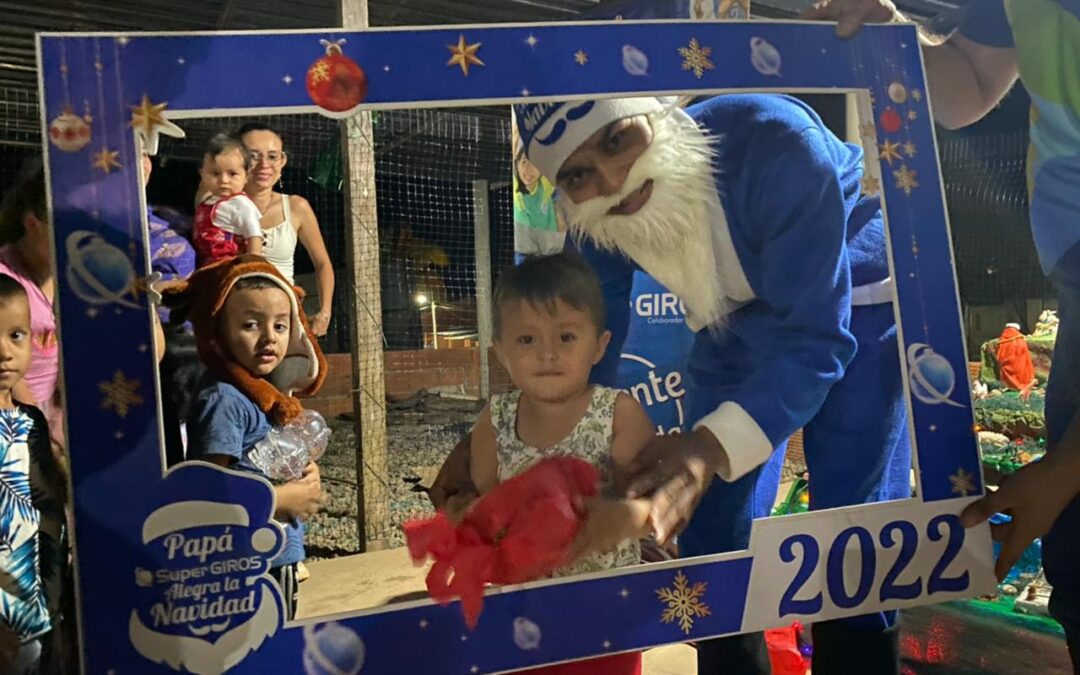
(670, 237)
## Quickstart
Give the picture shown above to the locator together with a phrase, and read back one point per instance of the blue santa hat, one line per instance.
(551, 132)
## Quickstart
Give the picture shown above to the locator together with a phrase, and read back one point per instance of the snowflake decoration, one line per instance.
(962, 483)
(581, 57)
(916, 94)
(912, 115)
(696, 58)
(909, 149)
(683, 602)
(120, 394)
(905, 179)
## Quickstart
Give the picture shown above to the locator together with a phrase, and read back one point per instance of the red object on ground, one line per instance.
(1015, 369)
(518, 532)
(784, 654)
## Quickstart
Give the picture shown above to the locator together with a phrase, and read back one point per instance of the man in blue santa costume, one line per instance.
(750, 210)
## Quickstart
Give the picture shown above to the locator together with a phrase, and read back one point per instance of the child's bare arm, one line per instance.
(631, 432)
(299, 499)
(483, 465)
(484, 458)
(612, 521)
(254, 246)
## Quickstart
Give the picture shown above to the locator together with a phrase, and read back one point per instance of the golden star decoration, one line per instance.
(319, 71)
(581, 57)
(905, 179)
(889, 151)
(464, 55)
(962, 483)
(120, 394)
(696, 58)
(684, 602)
(867, 130)
(916, 94)
(912, 115)
(106, 160)
(870, 186)
(149, 120)
(909, 149)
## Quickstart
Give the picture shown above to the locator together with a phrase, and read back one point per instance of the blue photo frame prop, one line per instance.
(171, 564)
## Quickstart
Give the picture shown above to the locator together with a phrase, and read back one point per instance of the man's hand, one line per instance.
(453, 488)
(674, 472)
(852, 14)
(1034, 496)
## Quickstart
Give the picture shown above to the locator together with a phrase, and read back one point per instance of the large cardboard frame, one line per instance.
(171, 564)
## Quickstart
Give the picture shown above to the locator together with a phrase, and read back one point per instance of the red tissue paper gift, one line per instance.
(519, 531)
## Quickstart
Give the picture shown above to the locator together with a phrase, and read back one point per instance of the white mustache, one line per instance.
(670, 236)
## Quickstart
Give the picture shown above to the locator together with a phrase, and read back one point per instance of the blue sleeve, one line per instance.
(795, 203)
(174, 258)
(216, 426)
(986, 23)
(616, 279)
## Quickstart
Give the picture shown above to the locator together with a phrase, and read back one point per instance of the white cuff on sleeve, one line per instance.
(745, 445)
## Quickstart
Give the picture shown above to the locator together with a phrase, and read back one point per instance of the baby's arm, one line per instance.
(240, 216)
(483, 464)
(631, 432)
(254, 245)
(613, 521)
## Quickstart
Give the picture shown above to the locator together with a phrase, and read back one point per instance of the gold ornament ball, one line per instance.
(897, 92)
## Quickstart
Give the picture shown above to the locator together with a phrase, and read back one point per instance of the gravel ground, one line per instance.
(420, 433)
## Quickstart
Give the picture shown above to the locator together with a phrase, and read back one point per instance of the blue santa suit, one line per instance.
(797, 246)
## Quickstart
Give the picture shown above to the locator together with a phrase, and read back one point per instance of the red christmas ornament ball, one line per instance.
(335, 82)
(890, 121)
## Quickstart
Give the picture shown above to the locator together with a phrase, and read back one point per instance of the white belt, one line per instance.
(876, 293)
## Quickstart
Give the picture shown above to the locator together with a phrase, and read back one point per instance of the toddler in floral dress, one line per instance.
(549, 333)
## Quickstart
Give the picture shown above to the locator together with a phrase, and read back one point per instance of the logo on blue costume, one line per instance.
(653, 362)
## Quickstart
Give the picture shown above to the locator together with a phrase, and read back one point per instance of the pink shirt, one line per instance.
(45, 355)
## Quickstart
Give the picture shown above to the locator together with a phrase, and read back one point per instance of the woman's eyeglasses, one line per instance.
(270, 157)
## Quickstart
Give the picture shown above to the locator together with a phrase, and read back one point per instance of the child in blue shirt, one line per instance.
(254, 340)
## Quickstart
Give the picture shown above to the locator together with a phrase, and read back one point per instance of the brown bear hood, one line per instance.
(201, 299)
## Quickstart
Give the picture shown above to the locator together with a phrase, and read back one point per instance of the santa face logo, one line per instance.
(207, 600)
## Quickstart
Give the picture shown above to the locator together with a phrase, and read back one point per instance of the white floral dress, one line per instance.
(590, 440)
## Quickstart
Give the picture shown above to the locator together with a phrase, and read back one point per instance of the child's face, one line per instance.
(549, 355)
(224, 174)
(255, 325)
(14, 341)
(527, 172)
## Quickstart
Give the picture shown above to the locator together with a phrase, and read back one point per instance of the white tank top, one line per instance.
(279, 242)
